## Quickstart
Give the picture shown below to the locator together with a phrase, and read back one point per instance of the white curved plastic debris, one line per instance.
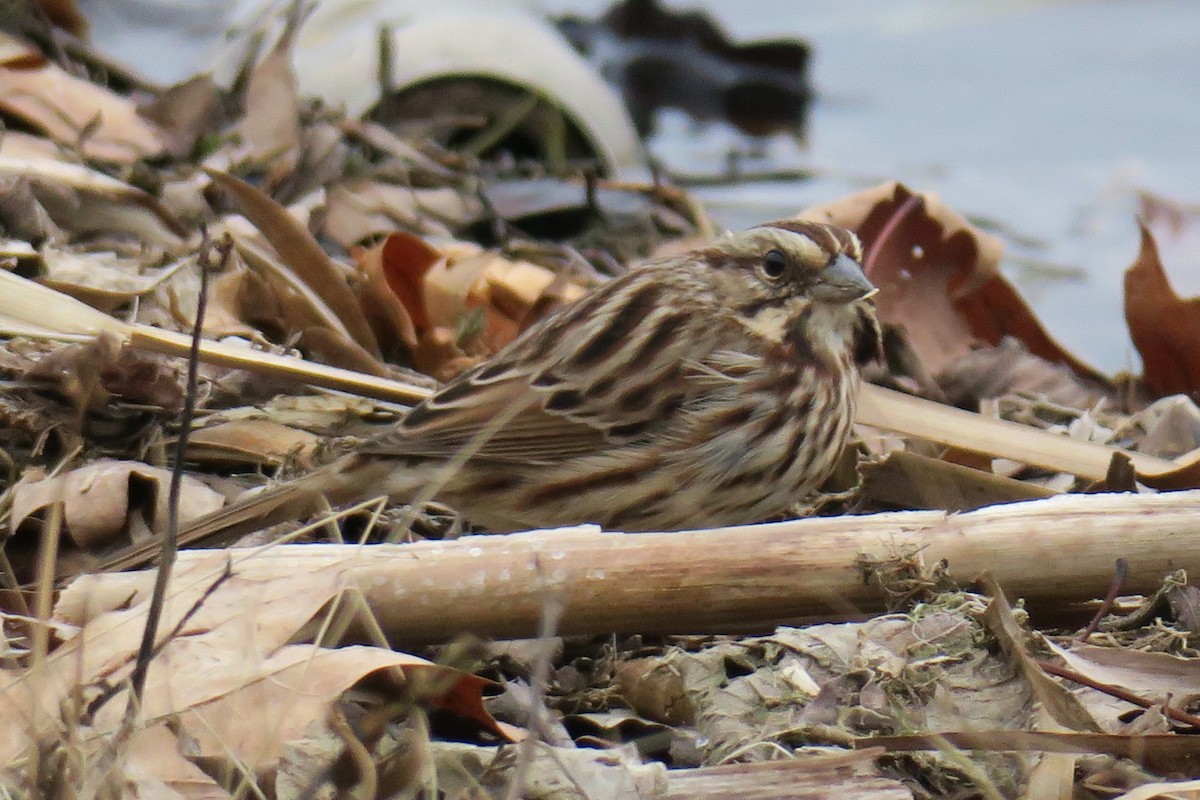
(337, 53)
(337, 57)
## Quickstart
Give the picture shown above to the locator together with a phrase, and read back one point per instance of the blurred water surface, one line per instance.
(1042, 119)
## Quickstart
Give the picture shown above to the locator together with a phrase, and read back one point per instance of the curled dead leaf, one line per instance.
(270, 128)
(939, 277)
(454, 304)
(250, 441)
(390, 278)
(1164, 327)
(107, 498)
(76, 112)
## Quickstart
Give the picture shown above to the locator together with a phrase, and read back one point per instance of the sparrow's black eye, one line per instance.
(774, 264)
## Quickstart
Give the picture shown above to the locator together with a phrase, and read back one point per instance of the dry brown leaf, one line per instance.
(184, 113)
(270, 303)
(909, 480)
(1169, 427)
(358, 208)
(250, 441)
(96, 202)
(458, 298)
(511, 289)
(518, 287)
(437, 354)
(1157, 676)
(252, 707)
(154, 767)
(1164, 327)
(233, 679)
(102, 280)
(100, 498)
(301, 252)
(24, 218)
(273, 299)
(456, 304)
(1065, 711)
(270, 127)
(223, 317)
(1009, 368)
(330, 347)
(75, 111)
(390, 278)
(939, 277)
(90, 373)
(1185, 607)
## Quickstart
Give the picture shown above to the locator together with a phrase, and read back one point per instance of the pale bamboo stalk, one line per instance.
(1055, 551)
(31, 309)
(301, 370)
(913, 416)
(850, 776)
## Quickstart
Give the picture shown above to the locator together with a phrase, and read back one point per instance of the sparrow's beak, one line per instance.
(842, 282)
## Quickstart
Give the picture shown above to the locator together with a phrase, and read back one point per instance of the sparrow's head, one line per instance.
(799, 283)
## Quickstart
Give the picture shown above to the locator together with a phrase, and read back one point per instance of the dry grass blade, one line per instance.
(912, 416)
(83, 179)
(302, 253)
(30, 309)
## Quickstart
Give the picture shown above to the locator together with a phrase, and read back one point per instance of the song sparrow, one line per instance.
(710, 388)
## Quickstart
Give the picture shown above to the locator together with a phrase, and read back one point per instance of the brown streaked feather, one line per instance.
(561, 418)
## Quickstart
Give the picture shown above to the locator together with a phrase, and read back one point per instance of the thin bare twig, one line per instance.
(214, 256)
(1119, 693)
(1120, 573)
(109, 691)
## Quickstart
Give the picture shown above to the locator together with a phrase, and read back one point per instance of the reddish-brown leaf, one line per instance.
(404, 261)
(939, 277)
(388, 289)
(1165, 327)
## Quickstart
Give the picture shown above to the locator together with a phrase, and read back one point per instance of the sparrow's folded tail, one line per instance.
(346, 480)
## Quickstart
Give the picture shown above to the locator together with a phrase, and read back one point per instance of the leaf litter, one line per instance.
(376, 263)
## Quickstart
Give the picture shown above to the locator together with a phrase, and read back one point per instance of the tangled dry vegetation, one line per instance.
(348, 267)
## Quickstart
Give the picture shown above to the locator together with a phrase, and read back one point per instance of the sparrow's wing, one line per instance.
(609, 369)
